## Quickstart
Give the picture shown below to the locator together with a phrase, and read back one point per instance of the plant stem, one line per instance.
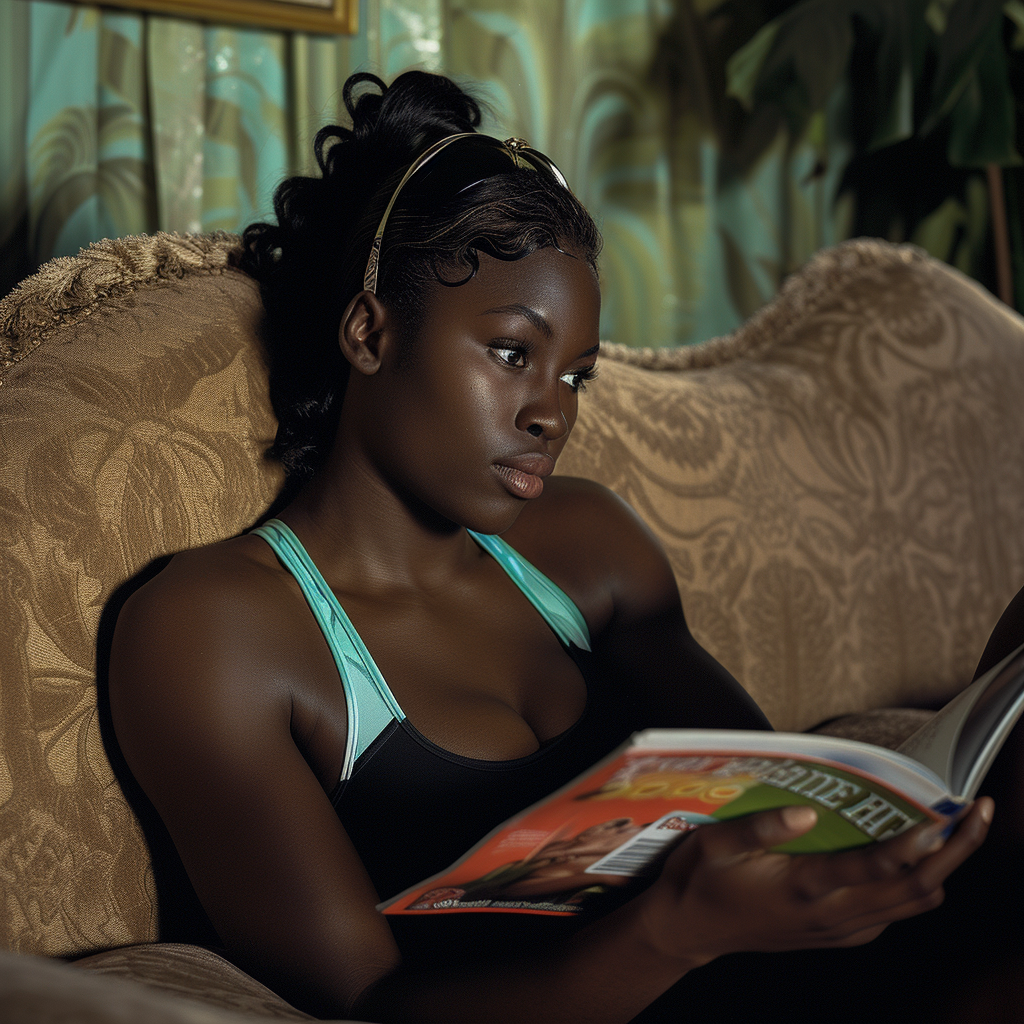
(1000, 233)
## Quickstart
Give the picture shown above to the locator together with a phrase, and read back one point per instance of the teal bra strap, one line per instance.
(559, 610)
(371, 705)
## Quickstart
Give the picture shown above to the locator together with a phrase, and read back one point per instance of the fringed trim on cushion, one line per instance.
(67, 289)
(801, 293)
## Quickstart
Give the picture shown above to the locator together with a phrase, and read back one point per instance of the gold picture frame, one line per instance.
(332, 17)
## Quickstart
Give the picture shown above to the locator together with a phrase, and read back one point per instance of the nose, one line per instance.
(543, 416)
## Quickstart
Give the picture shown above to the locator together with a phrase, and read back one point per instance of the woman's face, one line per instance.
(475, 410)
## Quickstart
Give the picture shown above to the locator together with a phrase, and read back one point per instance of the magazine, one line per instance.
(611, 826)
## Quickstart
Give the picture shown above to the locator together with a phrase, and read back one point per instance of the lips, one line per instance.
(523, 475)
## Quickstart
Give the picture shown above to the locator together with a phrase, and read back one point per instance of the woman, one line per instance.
(433, 314)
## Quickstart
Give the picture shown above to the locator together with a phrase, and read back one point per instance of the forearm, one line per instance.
(607, 972)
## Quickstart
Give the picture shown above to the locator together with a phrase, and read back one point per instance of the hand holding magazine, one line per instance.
(615, 822)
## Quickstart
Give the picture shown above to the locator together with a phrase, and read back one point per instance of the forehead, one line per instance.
(557, 285)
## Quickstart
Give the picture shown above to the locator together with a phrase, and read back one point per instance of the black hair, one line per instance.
(311, 263)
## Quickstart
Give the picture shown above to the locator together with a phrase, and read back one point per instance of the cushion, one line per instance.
(839, 484)
(185, 970)
(133, 425)
(34, 990)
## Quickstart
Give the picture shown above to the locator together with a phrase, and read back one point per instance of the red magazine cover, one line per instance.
(613, 824)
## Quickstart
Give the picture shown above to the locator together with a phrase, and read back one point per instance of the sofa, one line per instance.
(839, 485)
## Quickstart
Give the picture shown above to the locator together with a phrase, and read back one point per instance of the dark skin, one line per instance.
(228, 706)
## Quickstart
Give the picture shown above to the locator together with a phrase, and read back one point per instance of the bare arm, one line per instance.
(607, 559)
(203, 691)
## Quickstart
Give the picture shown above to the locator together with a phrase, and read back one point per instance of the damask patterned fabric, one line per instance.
(839, 486)
(133, 425)
(35, 990)
(181, 969)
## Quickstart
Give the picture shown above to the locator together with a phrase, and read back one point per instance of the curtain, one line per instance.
(113, 123)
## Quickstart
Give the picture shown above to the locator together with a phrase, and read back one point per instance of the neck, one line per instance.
(363, 534)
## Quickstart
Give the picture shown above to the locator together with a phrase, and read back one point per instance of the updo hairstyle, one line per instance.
(311, 263)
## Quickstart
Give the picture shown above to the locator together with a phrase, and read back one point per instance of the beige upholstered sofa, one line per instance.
(840, 486)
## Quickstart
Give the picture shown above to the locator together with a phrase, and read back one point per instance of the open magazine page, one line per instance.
(960, 743)
(613, 824)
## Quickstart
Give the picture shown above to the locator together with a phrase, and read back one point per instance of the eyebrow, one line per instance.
(526, 313)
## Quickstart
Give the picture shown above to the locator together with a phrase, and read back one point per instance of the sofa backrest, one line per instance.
(839, 486)
(132, 425)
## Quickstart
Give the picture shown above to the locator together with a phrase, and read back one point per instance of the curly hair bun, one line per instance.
(392, 125)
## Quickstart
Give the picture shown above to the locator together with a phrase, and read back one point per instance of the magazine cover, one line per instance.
(614, 823)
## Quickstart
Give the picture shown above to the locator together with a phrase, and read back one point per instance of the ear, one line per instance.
(363, 333)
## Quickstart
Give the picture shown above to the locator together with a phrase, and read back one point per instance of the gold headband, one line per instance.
(518, 151)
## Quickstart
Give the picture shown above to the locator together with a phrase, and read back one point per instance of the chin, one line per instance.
(496, 519)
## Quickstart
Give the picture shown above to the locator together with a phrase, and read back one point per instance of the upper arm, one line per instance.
(202, 707)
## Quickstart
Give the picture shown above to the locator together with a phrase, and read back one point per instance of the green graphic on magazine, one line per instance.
(852, 810)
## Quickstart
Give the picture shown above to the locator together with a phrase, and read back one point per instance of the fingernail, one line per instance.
(799, 817)
(986, 812)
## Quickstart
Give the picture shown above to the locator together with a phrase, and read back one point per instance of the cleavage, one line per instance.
(482, 679)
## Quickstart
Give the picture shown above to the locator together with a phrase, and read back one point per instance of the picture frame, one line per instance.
(331, 17)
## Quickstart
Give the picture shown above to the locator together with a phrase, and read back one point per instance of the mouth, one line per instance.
(523, 475)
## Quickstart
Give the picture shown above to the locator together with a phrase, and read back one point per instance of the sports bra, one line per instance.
(396, 782)
(411, 808)
(372, 707)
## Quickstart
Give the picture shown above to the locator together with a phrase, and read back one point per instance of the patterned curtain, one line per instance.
(114, 123)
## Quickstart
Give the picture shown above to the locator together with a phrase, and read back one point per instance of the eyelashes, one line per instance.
(579, 379)
(517, 357)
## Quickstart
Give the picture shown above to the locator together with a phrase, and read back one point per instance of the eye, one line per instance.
(515, 357)
(578, 379)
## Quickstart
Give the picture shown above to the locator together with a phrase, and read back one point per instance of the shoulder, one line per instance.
(224, 588)
(210, 638)
(593, 544)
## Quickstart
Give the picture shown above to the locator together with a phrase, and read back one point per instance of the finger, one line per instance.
(844, 919)
(911, 892)
(969, 835)
(859, 938)
(894, 858)
(854, 913)
(759, 831)
(876, 862)
(830, 941)
(844, 932)
(855, 928)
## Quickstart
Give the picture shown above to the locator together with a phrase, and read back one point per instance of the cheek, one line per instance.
(462, 421)
(491, 401)
(571, 411)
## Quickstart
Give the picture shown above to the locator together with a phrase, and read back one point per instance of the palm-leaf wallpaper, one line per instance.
(715, 142)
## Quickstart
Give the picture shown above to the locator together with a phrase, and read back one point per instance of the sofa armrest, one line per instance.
(37, 990)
